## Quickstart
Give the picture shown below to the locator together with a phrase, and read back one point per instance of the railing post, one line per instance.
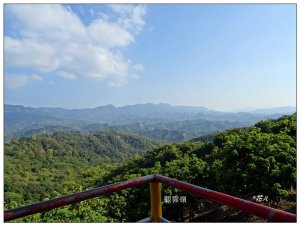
(155, 196)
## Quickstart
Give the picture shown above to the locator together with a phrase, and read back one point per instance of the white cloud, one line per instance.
(131, 16)
(52, 38)
(13, 81)
(122, 9)
(29, 53)
(118, 83)
(47, 21)
(66, 74)
(138, 68)
(138, 13)
(106, 34)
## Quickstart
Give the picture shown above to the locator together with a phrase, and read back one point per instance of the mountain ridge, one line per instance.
(177, 123)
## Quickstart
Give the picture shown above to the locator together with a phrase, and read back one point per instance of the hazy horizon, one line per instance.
(219, 56)
(246, 109)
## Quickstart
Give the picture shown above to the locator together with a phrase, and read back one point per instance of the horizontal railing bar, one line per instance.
(250, 207)
(163, 220)
(244, 205)
(145, 220)
(74, 198)
(149, 219)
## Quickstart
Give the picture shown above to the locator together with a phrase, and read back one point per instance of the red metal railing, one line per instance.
(250, 207)
(74, 198)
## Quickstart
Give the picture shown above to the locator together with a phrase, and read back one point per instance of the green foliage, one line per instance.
(49, 166)
(258, 160)
(238, 162)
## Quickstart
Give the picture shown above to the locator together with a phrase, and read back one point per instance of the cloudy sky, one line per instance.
(219, 56)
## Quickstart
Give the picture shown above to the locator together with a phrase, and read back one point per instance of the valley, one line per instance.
(239, 161)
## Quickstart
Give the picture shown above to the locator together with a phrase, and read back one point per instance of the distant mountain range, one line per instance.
(103, 114)
(275, 110)
(160, 121)
(281, 110)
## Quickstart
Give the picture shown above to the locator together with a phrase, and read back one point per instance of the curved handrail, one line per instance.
(260, 210)
(74, 198)
(247, 206)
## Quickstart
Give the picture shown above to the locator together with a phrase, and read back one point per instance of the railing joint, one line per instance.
(154, 180)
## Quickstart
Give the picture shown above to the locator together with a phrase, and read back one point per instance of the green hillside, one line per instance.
(241, 162)
(46, 166)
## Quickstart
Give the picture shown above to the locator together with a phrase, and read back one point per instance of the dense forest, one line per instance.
(243, 162)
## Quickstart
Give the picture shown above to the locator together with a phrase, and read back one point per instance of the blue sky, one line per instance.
(222, 57)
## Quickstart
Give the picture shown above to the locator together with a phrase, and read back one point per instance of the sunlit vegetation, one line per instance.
(255, 160)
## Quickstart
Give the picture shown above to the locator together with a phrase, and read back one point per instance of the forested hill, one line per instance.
(106, 146)
(241, 162)
(260, 160)
(47, 165)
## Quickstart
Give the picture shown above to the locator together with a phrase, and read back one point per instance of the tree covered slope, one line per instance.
(241, 162)
(44, 165)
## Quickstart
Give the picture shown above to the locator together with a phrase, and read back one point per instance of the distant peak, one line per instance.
(110, 105)
(106, 106)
